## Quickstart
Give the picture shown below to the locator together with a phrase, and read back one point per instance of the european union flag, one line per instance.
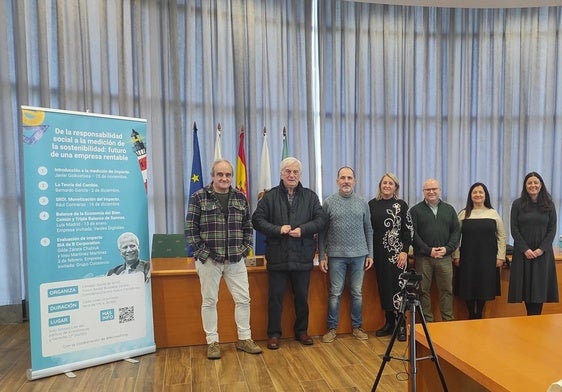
(196, 179)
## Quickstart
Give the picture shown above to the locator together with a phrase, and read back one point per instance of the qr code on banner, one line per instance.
(126, 314)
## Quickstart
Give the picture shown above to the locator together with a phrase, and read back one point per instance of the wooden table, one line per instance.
(500, 354)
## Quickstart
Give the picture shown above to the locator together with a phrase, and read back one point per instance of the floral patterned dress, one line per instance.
(392, 234)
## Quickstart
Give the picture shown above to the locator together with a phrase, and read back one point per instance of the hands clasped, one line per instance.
(438, 252)
(286, 229)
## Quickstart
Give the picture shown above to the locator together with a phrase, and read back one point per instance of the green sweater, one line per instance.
(432, 230)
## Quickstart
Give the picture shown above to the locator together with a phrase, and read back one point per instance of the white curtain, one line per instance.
(247, 64)
(460, 95)
(244, 64)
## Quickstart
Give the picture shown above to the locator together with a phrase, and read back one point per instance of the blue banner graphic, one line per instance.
(86, 239)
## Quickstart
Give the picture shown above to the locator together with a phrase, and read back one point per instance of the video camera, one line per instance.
(410, 280)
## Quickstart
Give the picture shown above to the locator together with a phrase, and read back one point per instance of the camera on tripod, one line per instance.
(407, 299)
(410, 281)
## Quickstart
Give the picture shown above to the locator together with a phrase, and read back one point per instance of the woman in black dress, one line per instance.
(481, 252)
(533, 228)
(392, 236)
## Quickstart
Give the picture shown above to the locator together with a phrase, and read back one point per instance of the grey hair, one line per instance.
(290, 161)
(215, 163)
(126, 235)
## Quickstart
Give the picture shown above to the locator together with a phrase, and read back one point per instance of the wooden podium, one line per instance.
(176, 302)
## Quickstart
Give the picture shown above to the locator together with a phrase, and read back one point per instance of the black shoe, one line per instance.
(402, 334)
(386, 330)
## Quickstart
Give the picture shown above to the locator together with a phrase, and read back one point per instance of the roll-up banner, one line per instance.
(86, 239)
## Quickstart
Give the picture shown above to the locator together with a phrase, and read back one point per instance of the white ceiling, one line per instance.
(469, 3)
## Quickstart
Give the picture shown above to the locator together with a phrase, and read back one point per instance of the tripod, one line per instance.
(412, 303)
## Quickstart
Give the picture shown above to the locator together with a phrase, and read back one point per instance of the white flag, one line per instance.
(218, 154)
(265, 168)
(263, 185)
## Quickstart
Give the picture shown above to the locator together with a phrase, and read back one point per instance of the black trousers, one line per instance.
(300, 281)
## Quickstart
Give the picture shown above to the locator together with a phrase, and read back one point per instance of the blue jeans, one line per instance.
(337, 268)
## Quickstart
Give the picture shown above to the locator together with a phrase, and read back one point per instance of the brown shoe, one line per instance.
(248, 346)
(213, 351)
(305, 339)
(273, 343)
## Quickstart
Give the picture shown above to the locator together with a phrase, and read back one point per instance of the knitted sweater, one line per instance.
(432, 230)
(348, 232)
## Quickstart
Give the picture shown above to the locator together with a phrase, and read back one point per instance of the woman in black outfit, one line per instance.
(392, 237)
(481, 253)
(533, 228)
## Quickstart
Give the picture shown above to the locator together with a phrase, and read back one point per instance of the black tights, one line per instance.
(475, 308)
(533, 308)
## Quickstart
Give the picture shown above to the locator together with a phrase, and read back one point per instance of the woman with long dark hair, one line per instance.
(533, 228)
(481, 252)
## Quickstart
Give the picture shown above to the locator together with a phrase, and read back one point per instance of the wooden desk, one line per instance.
(176, 302)
(501, 354)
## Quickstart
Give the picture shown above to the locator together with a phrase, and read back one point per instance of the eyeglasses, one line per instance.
(221, 174)
(431, 189)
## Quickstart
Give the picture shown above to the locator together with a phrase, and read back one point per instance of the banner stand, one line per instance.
(86, 239)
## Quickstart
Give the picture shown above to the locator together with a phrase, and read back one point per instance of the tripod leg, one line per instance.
(431, 349)
(412, 349)
(386, 357)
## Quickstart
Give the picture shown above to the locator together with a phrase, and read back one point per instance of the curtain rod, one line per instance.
(468, 3)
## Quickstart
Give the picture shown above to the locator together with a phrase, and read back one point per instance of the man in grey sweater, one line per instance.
(346, 244)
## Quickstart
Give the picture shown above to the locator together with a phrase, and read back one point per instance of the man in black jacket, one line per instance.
(289, 215)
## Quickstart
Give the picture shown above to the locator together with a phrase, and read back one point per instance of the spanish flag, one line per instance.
(241, 169)
(242, 175)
